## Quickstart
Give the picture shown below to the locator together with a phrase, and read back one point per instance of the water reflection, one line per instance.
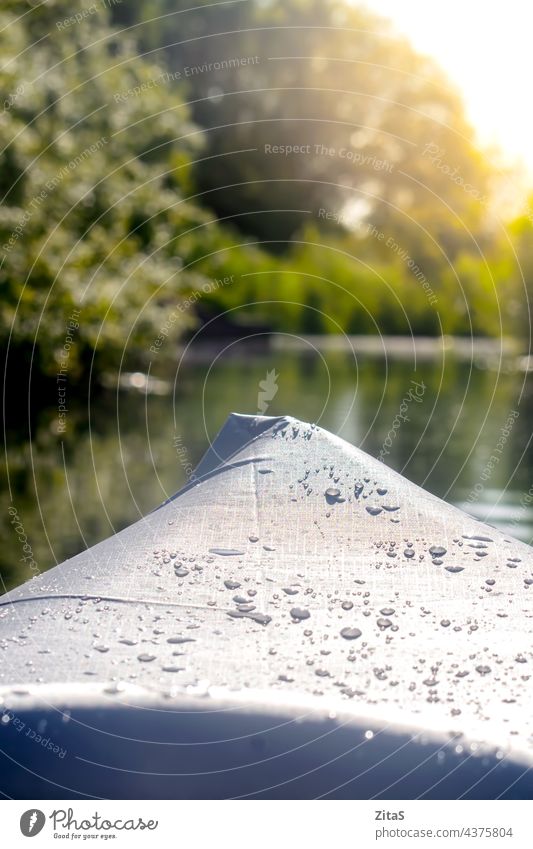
(130, 449)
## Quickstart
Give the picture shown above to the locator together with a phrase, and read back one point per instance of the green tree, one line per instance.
(94, 180)
(384, 129)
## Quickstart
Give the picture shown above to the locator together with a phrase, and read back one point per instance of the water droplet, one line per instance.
(177, 641)
(374, 511)
(146, 658)
(232, 585)
(351, 633)
(454, 569)
(226, 552)
(299, 613)
(388, 611)
(437, 551)
(332, 495)
(260, 618)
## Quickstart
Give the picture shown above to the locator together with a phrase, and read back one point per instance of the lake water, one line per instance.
(130, 448)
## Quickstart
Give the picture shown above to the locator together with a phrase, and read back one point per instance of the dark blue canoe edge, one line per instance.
(136, 745)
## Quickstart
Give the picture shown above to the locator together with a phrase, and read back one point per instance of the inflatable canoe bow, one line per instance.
(298, 622)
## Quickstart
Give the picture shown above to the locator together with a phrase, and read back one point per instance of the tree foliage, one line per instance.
(325, 76)
(121, 145)
(94, 213)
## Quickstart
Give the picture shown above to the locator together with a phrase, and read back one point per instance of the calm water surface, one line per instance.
(128, 450)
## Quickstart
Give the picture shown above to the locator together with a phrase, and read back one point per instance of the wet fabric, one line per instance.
(296, 583)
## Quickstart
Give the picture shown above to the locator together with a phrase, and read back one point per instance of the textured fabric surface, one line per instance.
(297, 571)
